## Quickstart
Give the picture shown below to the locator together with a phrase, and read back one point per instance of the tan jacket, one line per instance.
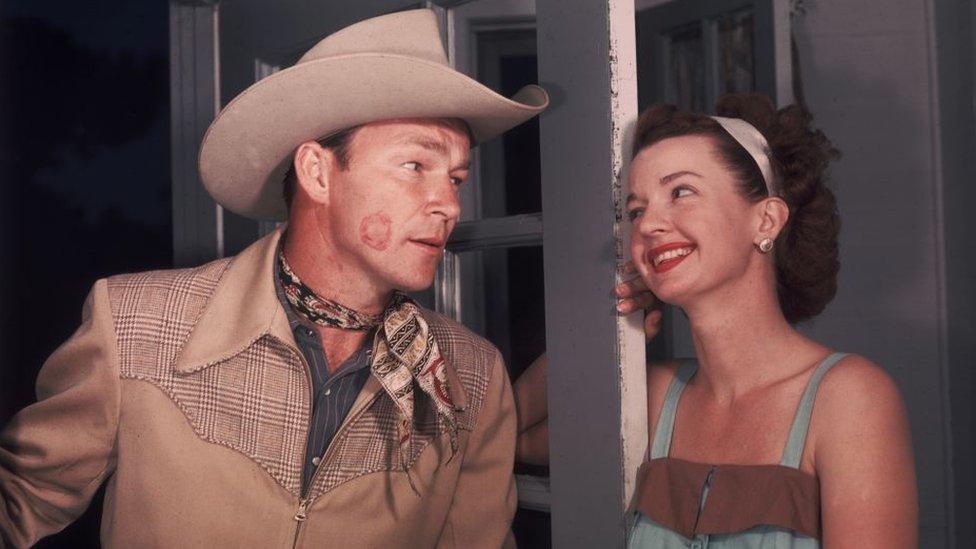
(185, 391)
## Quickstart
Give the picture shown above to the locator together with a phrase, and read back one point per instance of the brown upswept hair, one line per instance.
(806, 250)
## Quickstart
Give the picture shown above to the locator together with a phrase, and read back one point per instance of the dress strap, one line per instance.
(661, 446)
(801, 422)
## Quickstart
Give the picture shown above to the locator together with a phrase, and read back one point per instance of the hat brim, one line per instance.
(248, 148)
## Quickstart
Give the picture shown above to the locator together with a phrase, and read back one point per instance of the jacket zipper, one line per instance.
(301, 514)
(303, 500)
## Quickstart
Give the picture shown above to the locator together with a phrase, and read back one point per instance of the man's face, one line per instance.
(393, 206)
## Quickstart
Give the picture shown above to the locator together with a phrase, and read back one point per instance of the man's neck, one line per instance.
(316, 262)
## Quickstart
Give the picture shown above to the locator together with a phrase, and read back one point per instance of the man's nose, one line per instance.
(444, 199)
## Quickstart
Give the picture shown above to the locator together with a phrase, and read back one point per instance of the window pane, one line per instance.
(509, 171)
(502, 298)
(736, 71)
(686, 77)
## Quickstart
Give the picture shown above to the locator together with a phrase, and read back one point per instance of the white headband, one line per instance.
(752, 140)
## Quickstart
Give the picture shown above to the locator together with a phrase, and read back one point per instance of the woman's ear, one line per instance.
(773, 214)
(313, 165)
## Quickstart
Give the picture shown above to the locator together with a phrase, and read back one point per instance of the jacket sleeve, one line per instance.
(485, 500)
(55, 453)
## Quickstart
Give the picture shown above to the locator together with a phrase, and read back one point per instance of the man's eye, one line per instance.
(411, 165)
(457, 181)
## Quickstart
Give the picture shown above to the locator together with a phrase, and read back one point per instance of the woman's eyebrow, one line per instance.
(671, 177)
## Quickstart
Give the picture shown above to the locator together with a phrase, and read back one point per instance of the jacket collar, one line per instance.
(242, 309)
(245, 307)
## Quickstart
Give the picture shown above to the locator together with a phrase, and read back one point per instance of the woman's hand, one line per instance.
(633, 295)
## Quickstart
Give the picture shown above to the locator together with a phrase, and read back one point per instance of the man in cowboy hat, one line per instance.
(292, 395)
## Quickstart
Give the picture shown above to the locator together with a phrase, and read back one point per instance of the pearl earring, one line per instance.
(766, 245)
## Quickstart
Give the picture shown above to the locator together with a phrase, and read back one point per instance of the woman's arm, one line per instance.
(532, 406)
(863, 455)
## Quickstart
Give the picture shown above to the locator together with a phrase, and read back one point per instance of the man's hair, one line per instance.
(338, 142)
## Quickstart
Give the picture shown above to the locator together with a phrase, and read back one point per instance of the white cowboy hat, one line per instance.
(392, 66)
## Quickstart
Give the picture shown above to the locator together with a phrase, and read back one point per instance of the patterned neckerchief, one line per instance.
(404, 352)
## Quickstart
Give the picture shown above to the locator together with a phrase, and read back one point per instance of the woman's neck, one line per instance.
(743, 342)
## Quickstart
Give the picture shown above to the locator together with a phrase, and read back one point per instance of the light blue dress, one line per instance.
(751, 506)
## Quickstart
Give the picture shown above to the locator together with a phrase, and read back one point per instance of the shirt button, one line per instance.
(316, 460)
(328, 391)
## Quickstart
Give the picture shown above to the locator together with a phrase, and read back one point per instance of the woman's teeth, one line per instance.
(671, 254)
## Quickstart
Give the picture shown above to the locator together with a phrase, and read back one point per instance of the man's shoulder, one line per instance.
(455, 338)
(164, 287)
(473, 359)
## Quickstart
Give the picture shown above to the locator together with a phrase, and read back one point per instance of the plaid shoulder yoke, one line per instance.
(256, 402)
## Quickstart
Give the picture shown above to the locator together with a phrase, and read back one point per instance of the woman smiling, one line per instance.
(767, 438)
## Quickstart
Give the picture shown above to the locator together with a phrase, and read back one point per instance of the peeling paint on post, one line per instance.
(630, 336)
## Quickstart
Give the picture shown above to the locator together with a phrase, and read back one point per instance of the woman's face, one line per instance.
(693, 231)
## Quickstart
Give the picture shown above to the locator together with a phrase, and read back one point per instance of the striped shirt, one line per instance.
(333, 394)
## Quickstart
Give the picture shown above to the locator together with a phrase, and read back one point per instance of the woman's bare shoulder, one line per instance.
(862, 454)
(856, 385)
(859, 404)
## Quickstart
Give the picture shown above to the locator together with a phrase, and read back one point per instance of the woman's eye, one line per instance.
(679, 192)
(415, 166)
(635, 213)
(457, 181)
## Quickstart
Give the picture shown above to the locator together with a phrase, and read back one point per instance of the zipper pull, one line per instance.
(708, 479)
(300, 516)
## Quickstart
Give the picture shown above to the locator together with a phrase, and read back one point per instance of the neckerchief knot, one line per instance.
(404, 353)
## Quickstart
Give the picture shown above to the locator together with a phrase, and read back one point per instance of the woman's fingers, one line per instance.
(631, 287)
(652, 324)
(628, 268)
(633, 295)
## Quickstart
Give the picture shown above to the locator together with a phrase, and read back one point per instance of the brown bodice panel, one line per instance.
(741, 497)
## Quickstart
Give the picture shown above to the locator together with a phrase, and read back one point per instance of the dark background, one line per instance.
(84, 175)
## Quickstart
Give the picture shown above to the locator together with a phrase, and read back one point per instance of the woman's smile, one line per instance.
(666, 257)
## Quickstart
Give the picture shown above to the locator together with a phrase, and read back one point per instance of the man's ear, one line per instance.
(313, 166)
(773, 214)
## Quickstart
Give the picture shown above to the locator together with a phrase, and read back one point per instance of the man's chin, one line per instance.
(418, 284)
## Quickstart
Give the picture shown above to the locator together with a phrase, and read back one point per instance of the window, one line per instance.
(492, 277)
(691, 52)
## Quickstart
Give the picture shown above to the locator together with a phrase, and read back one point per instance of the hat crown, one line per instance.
(413, 33)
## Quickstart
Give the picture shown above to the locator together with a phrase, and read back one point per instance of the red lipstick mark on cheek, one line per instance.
(374, 231)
